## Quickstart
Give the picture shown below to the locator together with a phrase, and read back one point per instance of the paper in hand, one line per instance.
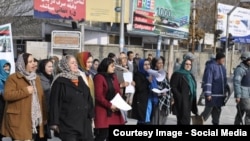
(128, 77)
(120, 103)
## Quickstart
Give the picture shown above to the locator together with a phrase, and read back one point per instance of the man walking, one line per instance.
(215, 81)
(241, 83)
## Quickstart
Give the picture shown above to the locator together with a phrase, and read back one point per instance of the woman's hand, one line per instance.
(124, 84)
(55, 128)
(30, 89)
(133, 83)
(113, 108)
(150, 78)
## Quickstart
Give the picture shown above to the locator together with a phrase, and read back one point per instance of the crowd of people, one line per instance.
(72, 96)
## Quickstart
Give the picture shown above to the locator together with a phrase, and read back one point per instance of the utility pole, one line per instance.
(215, 24)
(158, 51)
(227, 32)
(121, 41)
(193, 24)
(82, 48)
(171, 58)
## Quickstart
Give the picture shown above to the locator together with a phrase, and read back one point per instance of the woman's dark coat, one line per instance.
(141, 96)
(183, 105)
(71, 107)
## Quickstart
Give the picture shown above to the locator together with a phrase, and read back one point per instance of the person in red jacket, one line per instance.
(106, 87)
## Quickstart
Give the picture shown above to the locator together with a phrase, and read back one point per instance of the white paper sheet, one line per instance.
(128, 77)
(120, 103)
(160, 91)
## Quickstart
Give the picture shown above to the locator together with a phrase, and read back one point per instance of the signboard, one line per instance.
(60, 9)
(239, 24)
(6, 45)
(209, 39)
(104, 10)
(169, 18)
(66, 39)
(39, 50)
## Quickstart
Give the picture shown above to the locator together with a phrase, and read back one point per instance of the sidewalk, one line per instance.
(227, 115)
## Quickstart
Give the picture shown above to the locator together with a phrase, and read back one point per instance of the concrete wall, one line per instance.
(102, 51)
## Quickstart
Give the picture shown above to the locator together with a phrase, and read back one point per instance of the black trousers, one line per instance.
(70, 137)
(101, 134)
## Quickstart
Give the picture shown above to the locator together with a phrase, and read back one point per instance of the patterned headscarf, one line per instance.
(36, 114)
(65, 69)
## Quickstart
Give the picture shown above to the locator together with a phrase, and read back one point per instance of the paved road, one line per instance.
(227, 115)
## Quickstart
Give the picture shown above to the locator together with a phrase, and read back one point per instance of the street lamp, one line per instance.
(227, 26)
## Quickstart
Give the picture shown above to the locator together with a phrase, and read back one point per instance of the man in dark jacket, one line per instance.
(241, 83)
(215, 81)
(202, 96)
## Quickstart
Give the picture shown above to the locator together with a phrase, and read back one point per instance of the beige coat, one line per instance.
(17, 122)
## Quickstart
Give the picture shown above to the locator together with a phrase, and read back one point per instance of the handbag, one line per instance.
(197, 120)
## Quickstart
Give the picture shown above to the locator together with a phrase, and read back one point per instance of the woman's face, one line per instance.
(49, 68)
(89, 63)
(159, 64)
(6, 68)
(95, 65)
(73, 64)
(146, 65)
(111, 68)
(188, 65)
(30, 67)
(124, 59)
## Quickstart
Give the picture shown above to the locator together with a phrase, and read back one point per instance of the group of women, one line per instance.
(75, 101)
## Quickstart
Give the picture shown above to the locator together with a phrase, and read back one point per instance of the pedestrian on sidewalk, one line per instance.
(241, 83)
(202, 96)
(184, 87)
(215, 82)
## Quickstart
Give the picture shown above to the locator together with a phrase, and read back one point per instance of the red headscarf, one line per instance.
(82, 58)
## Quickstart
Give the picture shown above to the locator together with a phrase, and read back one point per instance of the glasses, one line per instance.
(188, 64)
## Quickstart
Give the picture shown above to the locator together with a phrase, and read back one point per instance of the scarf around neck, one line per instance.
(36, 113)
(111, 90)
(189, 78)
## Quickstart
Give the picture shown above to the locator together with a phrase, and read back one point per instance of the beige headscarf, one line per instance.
(36, 114)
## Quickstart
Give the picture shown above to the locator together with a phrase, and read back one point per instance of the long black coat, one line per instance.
(182, 106)
(141, 96)
(71, 108)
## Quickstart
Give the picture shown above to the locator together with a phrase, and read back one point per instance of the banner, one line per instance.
(60, 9)
(104, 10)
(169, 18)
(239, 23)
(6, 45)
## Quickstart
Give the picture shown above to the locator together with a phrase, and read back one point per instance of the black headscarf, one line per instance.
(41, 69)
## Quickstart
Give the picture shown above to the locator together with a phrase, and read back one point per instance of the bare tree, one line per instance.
(16, 8)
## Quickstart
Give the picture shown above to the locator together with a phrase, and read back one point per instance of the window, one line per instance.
(136, 41)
